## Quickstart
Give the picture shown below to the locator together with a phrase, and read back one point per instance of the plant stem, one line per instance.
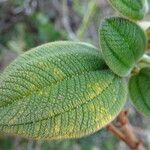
(91, 11)
(125, 131)
(146, 59)
(144, 62)
(116, 132)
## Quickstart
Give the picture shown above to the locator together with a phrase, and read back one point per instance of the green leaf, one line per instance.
(145, 25)
(139, 88)
(59, 90)
(123, 43)
(134, 9)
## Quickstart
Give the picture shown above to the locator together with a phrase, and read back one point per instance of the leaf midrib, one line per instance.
(126, 41)
(54, 82)
(38, 120)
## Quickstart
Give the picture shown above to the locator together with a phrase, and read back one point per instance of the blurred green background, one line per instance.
(25, 24)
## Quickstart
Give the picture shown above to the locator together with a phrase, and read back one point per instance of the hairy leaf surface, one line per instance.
(134, 9)
(139, 88)
(123, 43)
(59, 90)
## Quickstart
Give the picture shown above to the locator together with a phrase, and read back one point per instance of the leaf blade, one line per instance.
(133, 9)
(53, 58)
(139, 86)
(121, 47)
(73, 106)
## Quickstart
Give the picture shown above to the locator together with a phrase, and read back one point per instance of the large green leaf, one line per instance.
(139, 88)
(134, 9)
(123, 43)
(59, 90)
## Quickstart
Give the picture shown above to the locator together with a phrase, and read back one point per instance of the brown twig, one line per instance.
(125, 132)
(116, 132)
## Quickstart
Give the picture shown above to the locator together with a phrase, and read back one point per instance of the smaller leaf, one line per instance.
(134, 9)
(139, 88)
(123, 43)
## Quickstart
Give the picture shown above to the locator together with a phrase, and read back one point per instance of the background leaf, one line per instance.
(59, 90)
(145, 25)
(134, 9)
(139, 87)
(123, 43)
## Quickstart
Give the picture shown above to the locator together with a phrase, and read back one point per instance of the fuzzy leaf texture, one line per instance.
(59, 90)
(123, 43)
(134, 9)
(139, 88)
(145, 25)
